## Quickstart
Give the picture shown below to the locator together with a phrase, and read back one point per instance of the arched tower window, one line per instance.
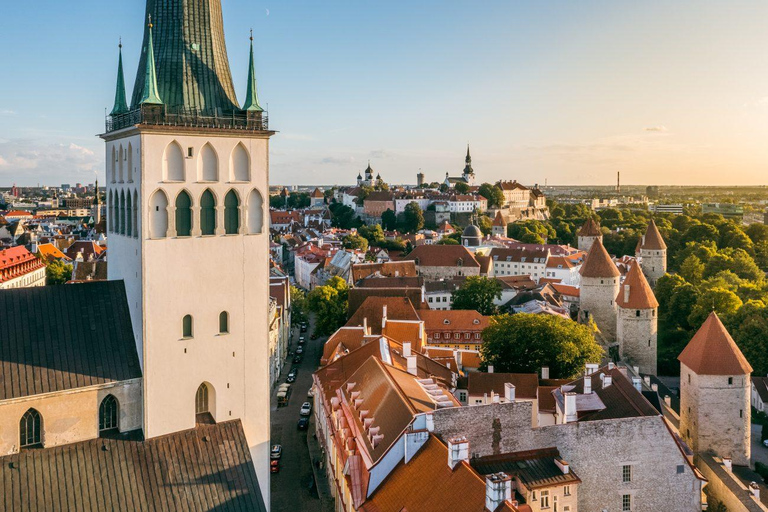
(31, 429)
(208, 213)
(129, 215)
(135, 214)
(187, 330)
(224, 323)
(121, 158)
(158, 215)
(173, 163)
(255, 212)
(113, 173)
(208, 164)
(111, 212)
(121, 213)
(129, 164)
(183, 214)
(201, 399)
(231, 213)
(241, 164)
(109, 414)
(205, 404)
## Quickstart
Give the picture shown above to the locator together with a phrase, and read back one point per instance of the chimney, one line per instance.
(626, 293)
(607, 381)
(587, 385)
(458, 450)
(545, 372)
(611, 365)
(591, 368)
(647, 380)
(728, 463)
(412, 369)
(495, 398)
(406, 349)
(365, 325)
(498, 489)
(755, 490)
(668, 400)
(655, 387)
(564, 466)
(638, 383)
(509, 392)
(570, 408)
(636, 369)
(490, 368)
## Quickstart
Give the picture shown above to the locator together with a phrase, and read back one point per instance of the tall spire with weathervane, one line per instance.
(252, 96)
(121, 104)
(151, 95)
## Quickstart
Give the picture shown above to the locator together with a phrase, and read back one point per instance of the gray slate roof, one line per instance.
(56, 338)
(206, 468)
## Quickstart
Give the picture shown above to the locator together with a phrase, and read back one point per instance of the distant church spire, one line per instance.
(468, 168)
(151, 94)
(252, 96)
(121, 104)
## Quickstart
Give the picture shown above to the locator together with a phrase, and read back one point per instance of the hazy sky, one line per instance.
(563, 91)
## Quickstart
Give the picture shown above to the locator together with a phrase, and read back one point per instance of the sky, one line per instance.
(556, 92)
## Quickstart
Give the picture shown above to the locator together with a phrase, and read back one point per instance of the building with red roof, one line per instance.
(19, 268)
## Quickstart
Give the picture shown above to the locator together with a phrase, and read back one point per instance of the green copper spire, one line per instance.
(252, 96)
(151, 95)
(121, 105)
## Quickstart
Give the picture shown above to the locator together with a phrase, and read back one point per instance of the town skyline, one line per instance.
(541, 93)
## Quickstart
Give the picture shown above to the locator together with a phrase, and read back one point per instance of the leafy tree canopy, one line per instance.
(478, 294)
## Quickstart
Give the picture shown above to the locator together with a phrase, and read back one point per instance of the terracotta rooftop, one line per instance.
(652, 239)
(453, 320)
(712, 351)
(443, 256)
(598, 263)
(590, 228)
(534, 468)
(480, 383)
(635, 292)
(388, 269)
(498, 221)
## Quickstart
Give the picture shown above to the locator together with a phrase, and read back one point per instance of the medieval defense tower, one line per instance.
(599, 288)
(588, 233)
(187, 171)
(653, 252)
(637, 321)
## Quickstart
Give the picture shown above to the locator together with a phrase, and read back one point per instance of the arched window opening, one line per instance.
(173, 163)
(208, 164)
(231, 213)
(128, 215)
(241, 164)
(255, 212)
(187, 327)
(224, 323)
(113, 167)
(208, 213)
(129, 164)
(121, 213)
(204, 404)
(183, 214)
(110, 212)
(158, 215)
(109, 415)
(31, 429)
(135, 214)
(121, 158)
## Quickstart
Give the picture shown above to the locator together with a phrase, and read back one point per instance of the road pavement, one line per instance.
(759, 452)
(293, 487)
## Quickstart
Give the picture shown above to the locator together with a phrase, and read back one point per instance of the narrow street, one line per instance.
(759, 452)
(293, 487)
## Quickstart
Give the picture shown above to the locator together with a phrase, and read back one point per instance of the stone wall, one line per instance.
(598, 300)
(637, 337)
(585, 242)
(654, 264)
(726, 488)
(440, 273)
(596, 451)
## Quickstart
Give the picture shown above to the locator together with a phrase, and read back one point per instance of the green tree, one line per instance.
(355, 242)
(413, 218)
(343, 217)
(298, 306)
(681, 304)
(493, 194)
(524, 343)
(724, 302)
(276, 202)
(757, 233)
(461, 188)
(374, 234)
(692, 269)
(299, 200)
(448, 241)
(329, 303)
(57, 272)
(485, 224)
(478, 294)
(389, 220)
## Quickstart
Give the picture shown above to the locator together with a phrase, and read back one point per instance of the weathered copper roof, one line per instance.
(590, 228)
(599, 263)
(712, 351)
(640, 295)
(652, 239)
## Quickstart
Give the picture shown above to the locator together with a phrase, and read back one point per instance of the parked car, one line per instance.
(300, 350)
(302, 340)
(311, 392)
(313, 337)
(297, 359)
(291, 377)
(303, 327)
(306, 409)
(765, 443)
(276, 452)
(274, 466)
(303, 424)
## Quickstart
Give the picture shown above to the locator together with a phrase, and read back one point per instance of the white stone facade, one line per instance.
(598, 302)
(585, 242)
(653, 263)
(636, 334)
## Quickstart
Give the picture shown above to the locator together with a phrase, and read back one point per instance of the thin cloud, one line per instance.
(657, 129)
(46, 163)
(6, 112)
(335, 160)
(380, 154)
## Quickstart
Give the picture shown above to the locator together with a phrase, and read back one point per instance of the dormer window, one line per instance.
(447, 322)
(476, 321)
(460, 262)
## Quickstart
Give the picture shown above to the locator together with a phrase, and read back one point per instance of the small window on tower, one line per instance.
(190, 152)
(224, 323)
(186, 327)
(730, 381)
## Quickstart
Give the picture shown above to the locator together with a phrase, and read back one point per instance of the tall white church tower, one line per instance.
(187, 173)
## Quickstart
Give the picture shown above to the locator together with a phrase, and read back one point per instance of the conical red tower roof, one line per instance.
(712, 351)
(590, 228)
(640, 295)
(599, 263)
(652, 239)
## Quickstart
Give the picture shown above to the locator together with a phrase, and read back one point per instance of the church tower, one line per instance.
(187, 173)
(469, 173)
(715, 387)
(653, 252)
(599, 289)
(637, 321)
(588, 233)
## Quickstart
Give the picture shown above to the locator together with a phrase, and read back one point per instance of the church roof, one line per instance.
(590, 228)
(190, 56)
(652, 239)
(121, 103)
(712, 351)
(317, 193)
(472, 231)
(640, 294)
(599, 263)
(252, 95)
(56, 338)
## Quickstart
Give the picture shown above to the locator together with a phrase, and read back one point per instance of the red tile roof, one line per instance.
(598, 263)
(453, 320)
(712, 351)
(590, 228)
(443, 256)
(526, 384)
(635, 292)
(372, 310)
(652, 239)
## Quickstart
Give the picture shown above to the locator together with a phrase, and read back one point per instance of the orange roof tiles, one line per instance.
(590, 228)
(598, 263)
(636, 293)
(652, 239)
(373, 308)
(47, 251)
(443, 256)
(712, 351)
(388, 269)
(498, 221)
(453, 320)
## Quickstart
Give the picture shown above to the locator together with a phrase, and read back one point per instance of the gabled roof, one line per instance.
(481, 383)
(317, 194)
(373, 311)
(712, 351)
(56, 338)
(536, 469)
(443, 256)
(652, 239)
(635, 292)
(205, 468)
(761, 386)
(590, 228)
(598, 263)
(453, 320)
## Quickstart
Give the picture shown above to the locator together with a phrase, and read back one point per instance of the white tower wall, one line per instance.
(636, 333)
(654, 264)
(598, 301)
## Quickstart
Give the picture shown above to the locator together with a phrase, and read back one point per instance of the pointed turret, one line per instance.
(599, 263)
(468, 161)
(635, 292)
(121, 103)
(712, 351)
(652, 252)
(151, 94)
(252, 96)
(652, 239)
(599, 289)
(590, 228)
(637, 321)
